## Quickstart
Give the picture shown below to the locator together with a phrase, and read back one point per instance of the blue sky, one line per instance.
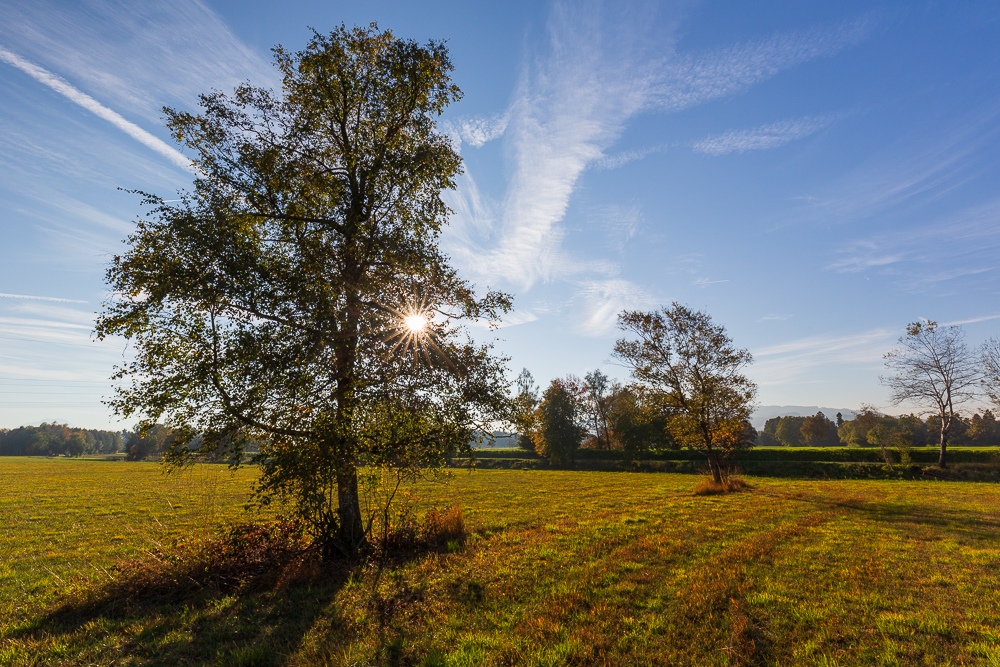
(813, 175)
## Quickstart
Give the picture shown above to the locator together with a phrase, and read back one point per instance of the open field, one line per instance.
(565, 568)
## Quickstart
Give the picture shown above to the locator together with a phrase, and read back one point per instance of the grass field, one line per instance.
(571, 568)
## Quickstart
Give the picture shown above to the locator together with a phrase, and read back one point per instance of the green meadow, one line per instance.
(562, 568)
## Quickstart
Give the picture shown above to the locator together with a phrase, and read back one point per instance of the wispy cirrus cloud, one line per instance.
(616, 160)
(688, 80)
(90, 104)
(138, 55)
(705, 282)
(924, 167)
(763, 137)
(792, 360)
(971, 320)
(39, 298)
(475, 130)
(573, 102)
(960, 245)
(602, 300)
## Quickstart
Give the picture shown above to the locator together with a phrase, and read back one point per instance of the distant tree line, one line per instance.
(57, 440)
(156, 440)
(593, 412)
(871, 428)
(688, 390)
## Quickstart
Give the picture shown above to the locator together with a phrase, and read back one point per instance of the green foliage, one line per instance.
(597, 400)
(297, 299)
(557, 434)
(152, 441)
(692, 368)
(525, 405)
(791, 431)
(638, 423)
(57, 439)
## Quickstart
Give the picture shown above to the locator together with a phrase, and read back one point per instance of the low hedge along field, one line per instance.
(561, 568)
(919, 455)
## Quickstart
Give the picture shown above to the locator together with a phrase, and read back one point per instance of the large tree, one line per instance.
(525, 406)
(933, 369)
(990, 358)
(297, 298)
(692, 365)
(557, 434)
(597, 397)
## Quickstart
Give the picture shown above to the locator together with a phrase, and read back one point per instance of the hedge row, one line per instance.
(984, 472)
(919, 455)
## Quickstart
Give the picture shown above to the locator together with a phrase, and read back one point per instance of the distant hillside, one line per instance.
(500, 441)
(765, 412)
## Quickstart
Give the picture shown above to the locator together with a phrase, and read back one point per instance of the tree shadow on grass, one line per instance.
(249, 597)
(951, 522)
(199, 625)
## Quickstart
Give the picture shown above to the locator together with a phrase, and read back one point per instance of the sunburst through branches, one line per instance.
(416, 324)
(414, 333)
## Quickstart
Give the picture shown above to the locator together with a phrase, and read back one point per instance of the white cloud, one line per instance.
(40, 298)
(140, 55)
(961, 245)
(971, 320)
(705, 282)
(477, 130)
(764, 137)
(604, 299)
(690, 80)
(617, 160)
(98, 109)
(922, 167)
(790, 361)
(572, 104)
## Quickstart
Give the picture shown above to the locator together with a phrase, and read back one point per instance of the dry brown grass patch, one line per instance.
(247, 557)
(712, 488)
(438, 529)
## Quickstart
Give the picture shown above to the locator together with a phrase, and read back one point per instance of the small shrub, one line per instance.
(248, 556)
(711, 488)
(438, 529)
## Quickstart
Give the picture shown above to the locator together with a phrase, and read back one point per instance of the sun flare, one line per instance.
(416, 324)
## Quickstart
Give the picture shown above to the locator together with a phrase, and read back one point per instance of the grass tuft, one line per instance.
(247, 557)
(712, 488)
(438, 530)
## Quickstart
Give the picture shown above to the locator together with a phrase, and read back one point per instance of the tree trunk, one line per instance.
(351, 537)
(944, 444)
(713, 464)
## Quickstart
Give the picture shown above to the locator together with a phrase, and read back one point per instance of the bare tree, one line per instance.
(934, 369)
(597, 401)
(990, 355)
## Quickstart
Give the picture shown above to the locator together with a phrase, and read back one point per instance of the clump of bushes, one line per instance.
(253, 556)
(247, 556)
(436, 530)
(729, 485)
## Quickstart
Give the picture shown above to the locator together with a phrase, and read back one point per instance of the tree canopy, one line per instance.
(558, 433)
(297, 297)
(933, 368)
(691, 364)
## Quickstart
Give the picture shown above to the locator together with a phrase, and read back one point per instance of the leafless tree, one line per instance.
(934, 369)
(990, 354)
(599, 392)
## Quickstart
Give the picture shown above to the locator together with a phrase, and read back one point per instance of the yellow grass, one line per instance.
(566, 568)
